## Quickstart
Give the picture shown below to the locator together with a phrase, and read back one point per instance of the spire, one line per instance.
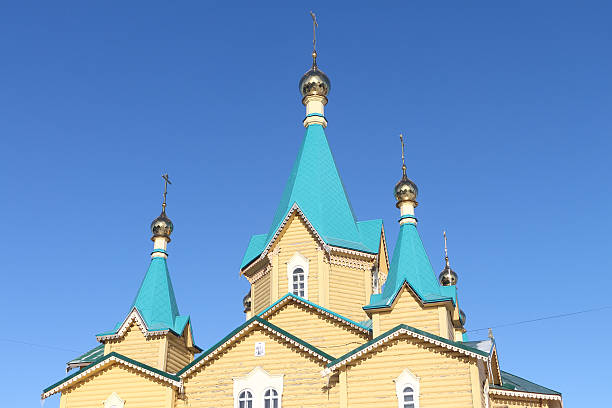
(162, 227)
(447, 277)
(314, 86)
(406, 193)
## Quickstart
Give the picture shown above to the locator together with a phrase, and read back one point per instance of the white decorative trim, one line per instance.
(393, 336)
(113, 401)
(353, 252)
(134, 316)
(407, 379)
(238, 335)
(350, 262)
(259, 274)
(288, 299)
(258, 381)
(297, 261)
(523, 394)
(104, 363)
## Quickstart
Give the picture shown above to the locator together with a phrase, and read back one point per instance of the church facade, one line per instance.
(331, 319)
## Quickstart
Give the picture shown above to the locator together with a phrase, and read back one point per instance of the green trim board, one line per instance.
(118, 357)
(399, 327)
(315, 187)
(88, 356)
(511, 382)
(245, 325)
(315, 306)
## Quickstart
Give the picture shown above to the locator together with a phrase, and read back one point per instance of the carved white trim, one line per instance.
(259, 274)
(258, 381)
(522, 394)
(113, 401)
(136, 317)
(348, 262)
(297, 261)
(294, 209)
(407, 379)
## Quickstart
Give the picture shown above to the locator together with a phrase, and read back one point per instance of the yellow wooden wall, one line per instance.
(178, 353)
(444, 378)
(330, 336)
(347, 288)
(135, 345)
(408, 310)
(138, 390)
(261, 294)
(212, 385)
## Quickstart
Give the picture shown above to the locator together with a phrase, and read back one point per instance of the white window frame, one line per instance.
(407, 379)
(277, 396)
(258, 381)
(297, 261)
(252, 397)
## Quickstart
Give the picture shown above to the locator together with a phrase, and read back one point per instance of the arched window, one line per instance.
(408, 394)
(245, 399)
(271, 398)
(299, 285)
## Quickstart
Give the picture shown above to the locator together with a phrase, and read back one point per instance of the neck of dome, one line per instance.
(407, 212)
(160, 244)
(315, 110)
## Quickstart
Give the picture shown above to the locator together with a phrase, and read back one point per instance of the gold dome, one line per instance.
(447, 277)
(314, 82)
(162, 226)
(406, 190)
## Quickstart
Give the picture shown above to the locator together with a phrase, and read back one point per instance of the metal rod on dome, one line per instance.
(315, 24)
(166, 182)
(445, 250)
(403, 161)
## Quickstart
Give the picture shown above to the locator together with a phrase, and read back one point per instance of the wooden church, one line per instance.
(331, 319)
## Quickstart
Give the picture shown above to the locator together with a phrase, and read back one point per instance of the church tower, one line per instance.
(315, 248)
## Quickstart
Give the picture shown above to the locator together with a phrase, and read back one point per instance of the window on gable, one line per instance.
(299, 284)
(245, 399)
(408, 394)
(271, 398)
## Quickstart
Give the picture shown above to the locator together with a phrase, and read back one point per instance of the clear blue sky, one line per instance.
(506, 107)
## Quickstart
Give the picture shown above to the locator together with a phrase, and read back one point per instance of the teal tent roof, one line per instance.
(410, 265)
(315, 187)
(155, 301)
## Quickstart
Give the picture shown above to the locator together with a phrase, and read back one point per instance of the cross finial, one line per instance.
(166, 182)
(445, 250)
(403, 161)
(315, 24)
(491, 333)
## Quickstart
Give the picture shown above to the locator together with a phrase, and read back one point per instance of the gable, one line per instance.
(408, 309)
(332, 334)
(134, 344)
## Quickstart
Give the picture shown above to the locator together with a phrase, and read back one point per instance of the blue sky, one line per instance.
(506, 111)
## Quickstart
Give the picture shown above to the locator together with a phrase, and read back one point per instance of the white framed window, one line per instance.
(245, 399)
(407, 389)
(265, 390)
(297, 275)
(271, 398)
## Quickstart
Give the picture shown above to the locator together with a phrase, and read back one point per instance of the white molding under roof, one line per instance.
(110, 360)
(394, 335)
(214, 353)
(524, 394)
(134, 316)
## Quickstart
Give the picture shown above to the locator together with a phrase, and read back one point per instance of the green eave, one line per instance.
(291, 295)
(120, 357)
(414, 330)
(513, 382)
(88, 356)
(246, 324)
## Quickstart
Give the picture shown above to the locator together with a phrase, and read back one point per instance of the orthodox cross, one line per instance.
(314, 37)
(166, 182)
(445, 249)
(403, 162)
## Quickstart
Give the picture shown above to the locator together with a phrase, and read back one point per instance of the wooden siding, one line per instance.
(444, 376)
(408, 310)
(212, 384)
(178, 353)
(135, 345)
(328, 335)
(138, 390)
(261, 293)
(347, 292)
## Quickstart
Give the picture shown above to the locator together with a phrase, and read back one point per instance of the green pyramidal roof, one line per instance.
(315, 187)
(411, 265)
(155, 300)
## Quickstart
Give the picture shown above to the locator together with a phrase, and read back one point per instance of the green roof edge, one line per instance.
(507, 388)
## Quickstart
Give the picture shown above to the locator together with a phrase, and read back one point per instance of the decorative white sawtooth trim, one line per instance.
(350, 262)
(393, 336)
(524, 394)
(259, 275)
(291, 298)
(104, 363)
(137, 317)
(231, 340)
(353, 252)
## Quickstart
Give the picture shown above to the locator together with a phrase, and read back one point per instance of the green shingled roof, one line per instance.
(88, 356)
(316, 188)
(155, 301)
(411, 265)
(516, 383)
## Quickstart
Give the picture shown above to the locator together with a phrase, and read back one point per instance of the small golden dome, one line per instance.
(406, 190)
(314, 82)
(447, 277)
(162, 226)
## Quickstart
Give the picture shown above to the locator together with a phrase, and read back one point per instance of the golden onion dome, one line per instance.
(447, 277)
(246, 302)
(406, 190)
(162, 226)
(462, 317)
(314, 82)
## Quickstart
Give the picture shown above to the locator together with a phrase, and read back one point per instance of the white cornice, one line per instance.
(134, 316)
(524, 394)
